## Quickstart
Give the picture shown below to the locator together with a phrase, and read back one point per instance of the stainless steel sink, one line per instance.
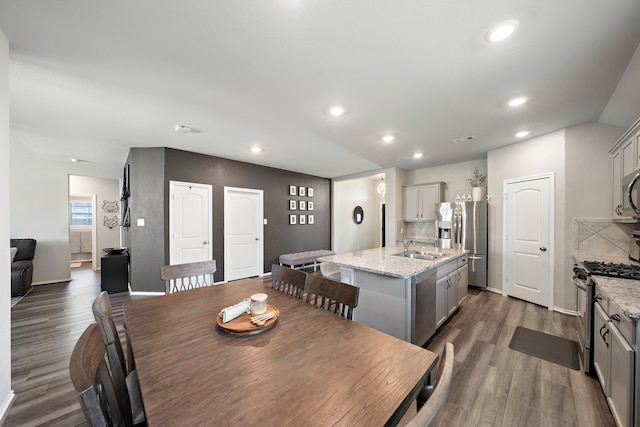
(416, 255)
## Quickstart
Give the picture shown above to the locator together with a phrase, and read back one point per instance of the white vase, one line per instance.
(476, 194)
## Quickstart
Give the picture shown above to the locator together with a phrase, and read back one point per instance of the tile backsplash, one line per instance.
(601, 238)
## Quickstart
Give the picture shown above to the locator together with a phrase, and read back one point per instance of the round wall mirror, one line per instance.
(358, 215)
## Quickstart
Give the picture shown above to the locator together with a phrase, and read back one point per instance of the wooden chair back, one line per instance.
(288, 280)
(431, 412)
(102, 313)
(91, 379)
(337, 297)
(182, 277)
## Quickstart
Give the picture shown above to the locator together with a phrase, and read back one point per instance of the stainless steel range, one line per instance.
(582, 273)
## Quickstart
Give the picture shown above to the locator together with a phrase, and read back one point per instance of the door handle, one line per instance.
(630, 193)
(543, 249)
(205, 242)
(257, 238)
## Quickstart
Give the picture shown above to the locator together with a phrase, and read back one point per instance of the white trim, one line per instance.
(6, 406)
(552, 220)
(565, 311)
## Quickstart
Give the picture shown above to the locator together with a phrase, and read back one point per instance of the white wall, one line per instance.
(39, 207)
(6, 393)
(541, 155)
(105, 190)
(588, 183)
(454, 176)
(349, 236)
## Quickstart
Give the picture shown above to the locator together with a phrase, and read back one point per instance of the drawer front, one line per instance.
(603, 299)
(443, 270)
(624, 324)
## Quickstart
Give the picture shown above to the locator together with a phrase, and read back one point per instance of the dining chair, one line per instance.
(123, 373)
(430, 414)
(91, 379)
(182, 277)
(288, 280)
(337, 297)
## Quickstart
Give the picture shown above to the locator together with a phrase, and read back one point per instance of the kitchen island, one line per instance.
(403, 296)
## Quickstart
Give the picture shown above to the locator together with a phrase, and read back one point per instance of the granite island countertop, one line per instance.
(382, 261)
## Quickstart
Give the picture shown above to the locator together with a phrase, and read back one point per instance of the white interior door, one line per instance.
(528, 213)
(243, 232)
(190, 222)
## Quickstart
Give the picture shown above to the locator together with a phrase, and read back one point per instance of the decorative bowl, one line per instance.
(114, 251)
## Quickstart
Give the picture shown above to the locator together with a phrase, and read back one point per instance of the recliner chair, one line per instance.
(22, 266)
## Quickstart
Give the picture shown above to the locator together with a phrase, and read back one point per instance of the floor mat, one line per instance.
(561, 351)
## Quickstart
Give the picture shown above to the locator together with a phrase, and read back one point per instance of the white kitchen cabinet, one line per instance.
(418, 201)
(616, 167)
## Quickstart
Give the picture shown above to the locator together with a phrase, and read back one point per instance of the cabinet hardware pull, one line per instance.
(615, 317)
(603, 326)
(598, 297)
(604, 337)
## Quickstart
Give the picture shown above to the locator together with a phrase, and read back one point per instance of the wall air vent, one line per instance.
(464, 139)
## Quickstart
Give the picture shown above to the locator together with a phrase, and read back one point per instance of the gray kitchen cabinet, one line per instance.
(625, 159)
(418, 201)
(614, 359)
(601, 354)
(442, 288)
(463, 281)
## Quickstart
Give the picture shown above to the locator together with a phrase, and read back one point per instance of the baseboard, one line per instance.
(6, 406)
(495, 290)
(565, 311)
(51, 282)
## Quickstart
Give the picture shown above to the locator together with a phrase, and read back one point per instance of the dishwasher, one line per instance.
(423, 306)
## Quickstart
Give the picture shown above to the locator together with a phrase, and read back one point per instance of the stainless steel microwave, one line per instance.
(631, 195)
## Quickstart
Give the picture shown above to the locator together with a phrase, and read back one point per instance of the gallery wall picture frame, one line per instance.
(310, 219)
(302, 205)
(293, 190)
(302, 191)
(309, 206)
(293, 205)
(292, 219)
(310, 191)
(303, 219)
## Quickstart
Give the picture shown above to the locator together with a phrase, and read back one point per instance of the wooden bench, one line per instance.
(301, 259)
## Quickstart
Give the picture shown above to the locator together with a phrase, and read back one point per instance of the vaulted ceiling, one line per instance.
(90, 79)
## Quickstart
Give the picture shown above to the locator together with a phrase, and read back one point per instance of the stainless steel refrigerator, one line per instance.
(464, 225)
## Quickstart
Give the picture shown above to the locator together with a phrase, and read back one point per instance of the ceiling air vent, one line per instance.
(464, 139)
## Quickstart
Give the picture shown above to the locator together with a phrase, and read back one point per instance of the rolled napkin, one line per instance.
(230, 313)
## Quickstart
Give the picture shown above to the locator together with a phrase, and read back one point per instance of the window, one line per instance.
(81, 214)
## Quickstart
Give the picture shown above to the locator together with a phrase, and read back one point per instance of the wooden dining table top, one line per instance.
(311, 367)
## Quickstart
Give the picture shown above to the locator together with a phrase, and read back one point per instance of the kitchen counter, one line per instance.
(381, 260)
(624, 292)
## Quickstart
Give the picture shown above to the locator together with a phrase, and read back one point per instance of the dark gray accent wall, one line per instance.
(151, 170)
(147, 202)
(279, 236)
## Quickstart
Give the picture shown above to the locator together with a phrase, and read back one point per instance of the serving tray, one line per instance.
(242, 325)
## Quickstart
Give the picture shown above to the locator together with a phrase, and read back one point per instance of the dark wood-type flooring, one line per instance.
(492, 386)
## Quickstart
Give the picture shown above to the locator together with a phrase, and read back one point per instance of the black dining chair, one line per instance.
(288, 280)
(183, 277)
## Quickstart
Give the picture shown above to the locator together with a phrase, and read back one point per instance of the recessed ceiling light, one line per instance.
(74, 160)
(337, 110)
(417, 155)
(522, 133)
(517, 101)
(501, 31)
(182, 129)
(388, 139)
(256, 150)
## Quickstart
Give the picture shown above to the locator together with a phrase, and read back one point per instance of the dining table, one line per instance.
(310, 367)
